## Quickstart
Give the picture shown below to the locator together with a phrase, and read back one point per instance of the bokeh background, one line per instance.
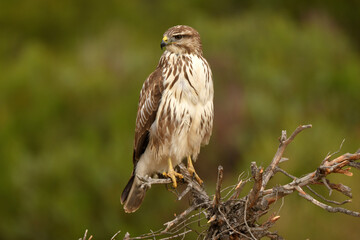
(70, 76)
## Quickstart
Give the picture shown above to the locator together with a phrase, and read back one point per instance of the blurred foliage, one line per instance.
(71, 72)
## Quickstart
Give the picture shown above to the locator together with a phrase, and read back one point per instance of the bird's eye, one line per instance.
(178, 37)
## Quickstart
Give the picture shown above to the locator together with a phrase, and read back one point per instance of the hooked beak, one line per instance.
(164, 42)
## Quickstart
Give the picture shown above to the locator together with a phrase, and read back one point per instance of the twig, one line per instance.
(277, 169)
(332, 154)
(329, 208)
(218, 187)
(245, 221)
(201, 195)
(186, 191)
(340, 188)
(177, 235)
(180, 217)
(283, 159)
(257, 175)
(84, 238)
(113, 237)
(228, 223)
(328, 200)
(238, 189)
(324, 180)
(284, 141)
(354, 164)
(151, 181)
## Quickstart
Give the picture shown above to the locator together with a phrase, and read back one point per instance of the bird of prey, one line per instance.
(175, 113)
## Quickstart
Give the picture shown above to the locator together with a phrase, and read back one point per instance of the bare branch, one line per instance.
(354, 165)
(257, 175)
(113, 237)
(217, 196)
(340, 188)
(284, 141)
(180, 217)
(234, 217)
(186, 191)
(332, 154)
(329, 208)
(245, 221)
(148, 181)
(238, 189)
(277, 169)
(327, 200)
(177, 235)
(85, 235)
(324, 180)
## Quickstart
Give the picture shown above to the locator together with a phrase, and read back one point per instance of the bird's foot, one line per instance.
(192, 171)
(172, 174)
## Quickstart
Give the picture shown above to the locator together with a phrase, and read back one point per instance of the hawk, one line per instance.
(175, 113)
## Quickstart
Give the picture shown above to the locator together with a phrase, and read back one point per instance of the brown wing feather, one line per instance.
(150, 97)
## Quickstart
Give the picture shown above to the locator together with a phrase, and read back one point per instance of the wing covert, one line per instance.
(150, 97)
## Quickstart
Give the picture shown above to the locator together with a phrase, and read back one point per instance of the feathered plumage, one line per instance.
(175, 112)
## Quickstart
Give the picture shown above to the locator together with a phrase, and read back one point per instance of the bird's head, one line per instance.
(182, 39)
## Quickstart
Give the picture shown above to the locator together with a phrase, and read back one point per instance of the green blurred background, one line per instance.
(71, 72)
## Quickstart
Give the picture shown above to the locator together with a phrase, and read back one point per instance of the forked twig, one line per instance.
(284, 141)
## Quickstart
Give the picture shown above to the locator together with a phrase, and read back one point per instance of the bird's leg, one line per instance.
(172, 174)
(192, 172)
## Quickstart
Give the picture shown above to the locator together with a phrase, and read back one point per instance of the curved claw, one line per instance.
(172, 174)
(192, 171)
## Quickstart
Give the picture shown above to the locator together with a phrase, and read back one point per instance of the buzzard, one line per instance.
(175, 113)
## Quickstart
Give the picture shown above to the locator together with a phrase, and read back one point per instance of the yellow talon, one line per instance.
(172, 174)
(192, 172)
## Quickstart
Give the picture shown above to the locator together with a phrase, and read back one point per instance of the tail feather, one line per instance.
(133, 195)
(127, 189)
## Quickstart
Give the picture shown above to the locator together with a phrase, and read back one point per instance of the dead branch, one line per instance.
(238, 189)
(85, 236)
(218, 187)
(327, 200)
(327, 207)
(284, 141)
(114, 236)
(257, 175)
(232, 217)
